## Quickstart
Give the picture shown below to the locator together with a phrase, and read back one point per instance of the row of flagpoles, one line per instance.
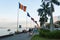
(22, 7)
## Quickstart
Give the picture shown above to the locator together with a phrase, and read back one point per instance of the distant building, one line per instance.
(56, 18)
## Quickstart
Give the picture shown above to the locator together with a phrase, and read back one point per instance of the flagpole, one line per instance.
(17, 19)
(22, 8)
(26, 21)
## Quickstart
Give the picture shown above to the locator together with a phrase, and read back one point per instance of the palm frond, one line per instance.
(56, 2)
(47, 4)
(40, 12)
(48, 11)
(52, 7)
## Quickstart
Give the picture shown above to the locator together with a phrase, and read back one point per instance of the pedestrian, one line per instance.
(30, 31)
(35, 30)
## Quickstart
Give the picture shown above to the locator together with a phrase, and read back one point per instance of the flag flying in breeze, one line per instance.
(32, 19)
(22, 7)
(28, 14)
(35, 22)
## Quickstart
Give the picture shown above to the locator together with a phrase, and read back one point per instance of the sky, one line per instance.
(10, 8)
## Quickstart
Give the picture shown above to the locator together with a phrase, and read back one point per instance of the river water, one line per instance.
(4, 31)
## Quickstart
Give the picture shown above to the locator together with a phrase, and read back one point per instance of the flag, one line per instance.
(19, 5)
(36, 22)
(22, 7)
(46, 0)
(28, 14)
(32, 19)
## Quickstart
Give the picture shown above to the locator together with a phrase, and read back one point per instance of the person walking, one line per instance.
(30, 31)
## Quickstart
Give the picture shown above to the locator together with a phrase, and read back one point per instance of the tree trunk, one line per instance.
(51, 23)
(51, 19)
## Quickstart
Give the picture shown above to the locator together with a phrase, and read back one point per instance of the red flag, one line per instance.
(24, 8)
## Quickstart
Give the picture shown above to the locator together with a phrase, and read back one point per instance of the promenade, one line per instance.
(22, 36)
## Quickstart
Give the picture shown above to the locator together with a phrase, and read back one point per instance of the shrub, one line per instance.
(43, 32)
(47, 34)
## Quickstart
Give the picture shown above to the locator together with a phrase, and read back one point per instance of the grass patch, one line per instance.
(37, 37)
(49, 34)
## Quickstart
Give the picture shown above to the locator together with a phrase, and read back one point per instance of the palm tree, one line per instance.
(42, 14)
(48, 10)
(51, 11)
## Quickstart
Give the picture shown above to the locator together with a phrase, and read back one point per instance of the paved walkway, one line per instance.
(23, 36)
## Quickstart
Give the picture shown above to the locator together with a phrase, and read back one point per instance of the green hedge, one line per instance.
(46, 33)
